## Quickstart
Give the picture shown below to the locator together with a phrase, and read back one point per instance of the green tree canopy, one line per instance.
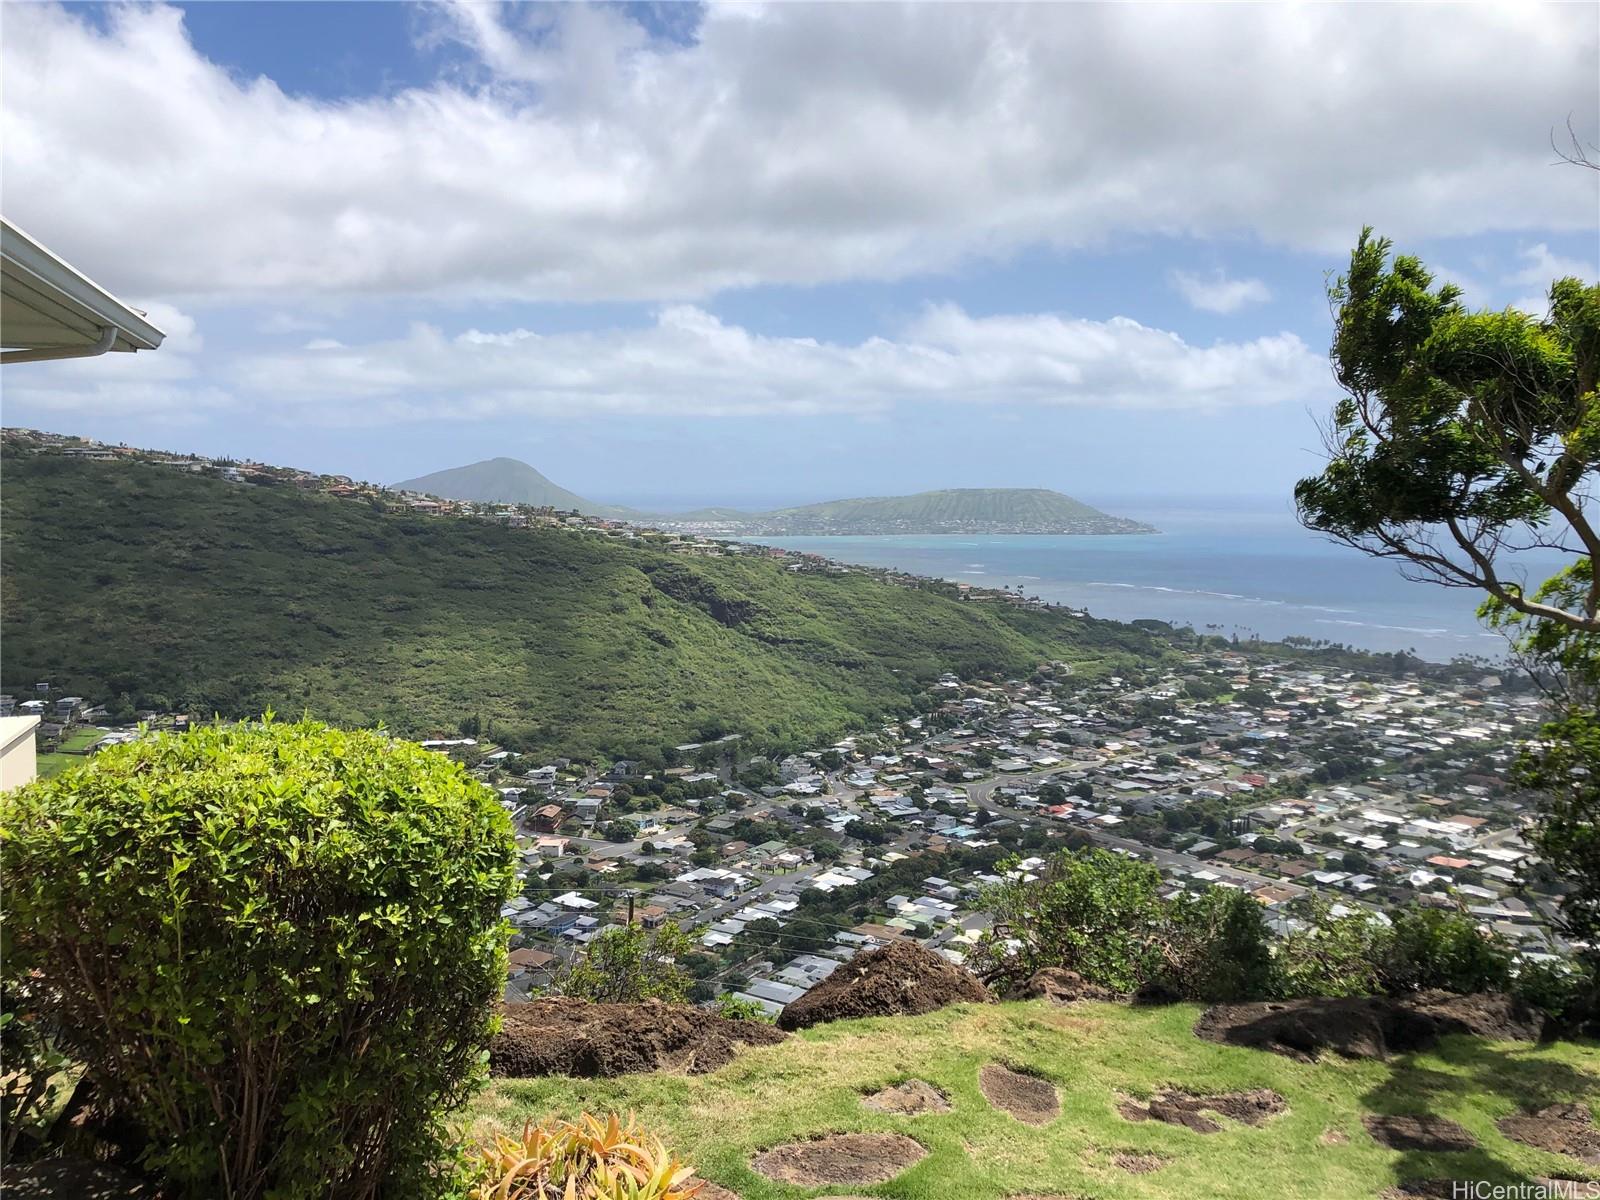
(1463, 436)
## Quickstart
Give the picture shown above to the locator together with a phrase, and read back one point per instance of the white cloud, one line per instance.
(786, 144)
(282, 322)
(1542, 268)
(689, 363)
(1218, 293)
(167, 383)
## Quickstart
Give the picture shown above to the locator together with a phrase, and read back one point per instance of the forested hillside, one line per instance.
(138, 585)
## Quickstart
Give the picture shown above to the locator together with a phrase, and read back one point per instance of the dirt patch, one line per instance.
(1138, 1164)
(559, 1036)
(1061, 986)
(1560, 1129)
(849, 1158)
(713, 1191)
(900, 979)
(1418, 1132)
(1198, 1112)
(1367, 1026)
(1333, 1137)
(912, 1098)
(1029, 1099)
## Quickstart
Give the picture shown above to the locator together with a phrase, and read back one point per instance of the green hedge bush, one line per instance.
(277, 944)
(1103, 915)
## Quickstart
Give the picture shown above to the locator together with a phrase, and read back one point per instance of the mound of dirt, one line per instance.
(912, 1098)
(1061, 986)
(1029, 1099)
(1367, 1026)
(1421, 1132)
(1189, 1109)
(558, 1036)
(1560, 1129)
(848, 1158)
(901, 979)
(713, 1191)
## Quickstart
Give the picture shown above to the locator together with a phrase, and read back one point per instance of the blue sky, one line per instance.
(674, 254)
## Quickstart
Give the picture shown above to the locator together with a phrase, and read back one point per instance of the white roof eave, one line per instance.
(72, 311)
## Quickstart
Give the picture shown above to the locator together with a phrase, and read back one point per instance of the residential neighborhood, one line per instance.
(1295, 786)
(1298, 782)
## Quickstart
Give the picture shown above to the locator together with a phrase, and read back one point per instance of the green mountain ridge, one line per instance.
(136, 585)
(955, 510)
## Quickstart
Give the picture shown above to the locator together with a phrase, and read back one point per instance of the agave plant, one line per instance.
(581, 1160)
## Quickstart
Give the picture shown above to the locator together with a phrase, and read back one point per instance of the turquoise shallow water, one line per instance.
(1227, 571)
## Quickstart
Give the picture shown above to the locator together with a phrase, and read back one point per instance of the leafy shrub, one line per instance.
(736, 1008)
(275, 943)
(580, 1160)
(629, 964)
(33, 1062)
(1217, 947)
(1357, 954)
(1564, 988)
(1103, 916)
(1331, 955)
(1431, 948)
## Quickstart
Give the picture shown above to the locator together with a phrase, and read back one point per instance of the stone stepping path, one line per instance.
(1559, 1128)
(1029, 1099)
(1423, 1131)
(1198, 1112)
(852, 1159)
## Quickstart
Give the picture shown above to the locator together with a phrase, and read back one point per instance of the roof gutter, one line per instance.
(108, 337)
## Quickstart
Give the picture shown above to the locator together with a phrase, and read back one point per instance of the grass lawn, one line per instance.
(55, 762)
(80, 740)
(1094, 1053)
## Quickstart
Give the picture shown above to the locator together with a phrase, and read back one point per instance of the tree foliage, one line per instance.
(1462, 436)
(276, 944)
(1104, 916)
(1465, 437)
(629, 963)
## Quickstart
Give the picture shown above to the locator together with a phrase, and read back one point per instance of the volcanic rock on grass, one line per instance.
(1423, 1131)
(1061, 986)
(912, 1098)
(1367, 1026)
(1190, 1110)
(1029, 1099)
(849, 1158)
(1560, 1129)
(901, 979)
(560, 1036)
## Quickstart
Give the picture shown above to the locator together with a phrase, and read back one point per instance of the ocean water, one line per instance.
(1228, 571)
